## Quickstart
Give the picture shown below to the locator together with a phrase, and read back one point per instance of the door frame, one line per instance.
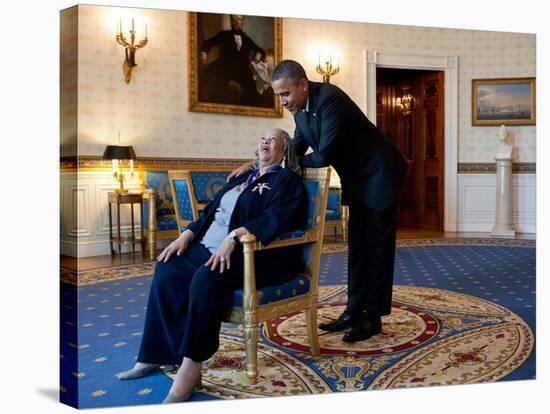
(448, 64)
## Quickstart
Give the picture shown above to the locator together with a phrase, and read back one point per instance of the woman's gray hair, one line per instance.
(290, 159)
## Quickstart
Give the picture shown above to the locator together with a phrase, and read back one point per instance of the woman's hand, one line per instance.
(240, 170)
(178, 246)
(222, 257)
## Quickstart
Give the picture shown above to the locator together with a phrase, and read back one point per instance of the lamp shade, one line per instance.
(119, 152)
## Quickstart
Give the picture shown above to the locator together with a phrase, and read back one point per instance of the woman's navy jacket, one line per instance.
(271, 205)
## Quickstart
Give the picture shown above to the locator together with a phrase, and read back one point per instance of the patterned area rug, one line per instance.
(462, 313)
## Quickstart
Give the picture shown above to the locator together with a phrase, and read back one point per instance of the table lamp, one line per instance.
(116, 153)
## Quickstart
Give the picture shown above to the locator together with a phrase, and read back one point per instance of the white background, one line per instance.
(29, 130)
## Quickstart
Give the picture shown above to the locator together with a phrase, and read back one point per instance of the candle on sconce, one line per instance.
(132, 167)
(132, 45)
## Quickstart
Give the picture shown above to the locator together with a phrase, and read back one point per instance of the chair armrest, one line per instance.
(310, 236)
(247, 238)
(250, 245)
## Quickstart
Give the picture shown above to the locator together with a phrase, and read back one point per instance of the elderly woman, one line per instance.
(197, 273)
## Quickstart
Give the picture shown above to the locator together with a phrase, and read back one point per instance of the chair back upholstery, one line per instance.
(207, 183)
(164, 203)
(158, 182)
(334, 204)
(316, 182)
(337, 214)
(158, 209)
(184, 201)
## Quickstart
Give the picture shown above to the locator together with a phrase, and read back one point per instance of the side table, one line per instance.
(125, 198)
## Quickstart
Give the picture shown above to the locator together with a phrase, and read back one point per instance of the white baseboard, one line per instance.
(488, 228)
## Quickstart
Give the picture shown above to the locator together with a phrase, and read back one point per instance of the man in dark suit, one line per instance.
(371, 171)
(228, 79)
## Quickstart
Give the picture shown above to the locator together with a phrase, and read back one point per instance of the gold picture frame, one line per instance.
(509, 101)
(221, 79)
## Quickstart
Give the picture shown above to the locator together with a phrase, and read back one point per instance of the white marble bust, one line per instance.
(504, 149)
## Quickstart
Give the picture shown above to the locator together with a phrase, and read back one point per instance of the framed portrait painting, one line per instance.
(231, 58)
(503, 101)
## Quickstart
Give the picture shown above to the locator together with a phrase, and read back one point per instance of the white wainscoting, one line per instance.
(85, 221)
(85, 213)
(477, 202)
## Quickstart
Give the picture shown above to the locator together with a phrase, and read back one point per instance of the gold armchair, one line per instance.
(256, 305)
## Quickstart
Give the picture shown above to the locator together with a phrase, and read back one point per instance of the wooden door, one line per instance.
(431, 151)
(400, 128)
(418, 133)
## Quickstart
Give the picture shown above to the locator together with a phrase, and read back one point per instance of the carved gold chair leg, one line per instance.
(251, 339)
(250, 304)
(311, 317)
(345, 215)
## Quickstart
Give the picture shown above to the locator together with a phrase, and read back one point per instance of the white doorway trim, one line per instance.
(448, 64)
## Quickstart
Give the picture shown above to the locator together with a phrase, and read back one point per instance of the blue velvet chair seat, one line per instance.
(295, 287)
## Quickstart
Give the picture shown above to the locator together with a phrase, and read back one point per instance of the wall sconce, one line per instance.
(116, 153)
(328, 70)
(130, 49)
(406, 102)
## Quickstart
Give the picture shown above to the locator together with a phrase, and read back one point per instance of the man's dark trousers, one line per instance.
(371, 257)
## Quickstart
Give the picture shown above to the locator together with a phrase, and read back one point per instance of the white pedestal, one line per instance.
(503, 225)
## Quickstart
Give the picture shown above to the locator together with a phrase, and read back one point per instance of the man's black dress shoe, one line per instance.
(345, 321)
(363, 330)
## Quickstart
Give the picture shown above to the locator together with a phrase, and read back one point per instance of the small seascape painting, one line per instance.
(503, 101)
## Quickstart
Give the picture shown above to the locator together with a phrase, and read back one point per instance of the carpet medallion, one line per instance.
(432, 337)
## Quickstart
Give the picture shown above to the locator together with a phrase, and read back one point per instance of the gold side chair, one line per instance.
(185, 204)
(158, 209)
(337, 214)
(252, 307)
